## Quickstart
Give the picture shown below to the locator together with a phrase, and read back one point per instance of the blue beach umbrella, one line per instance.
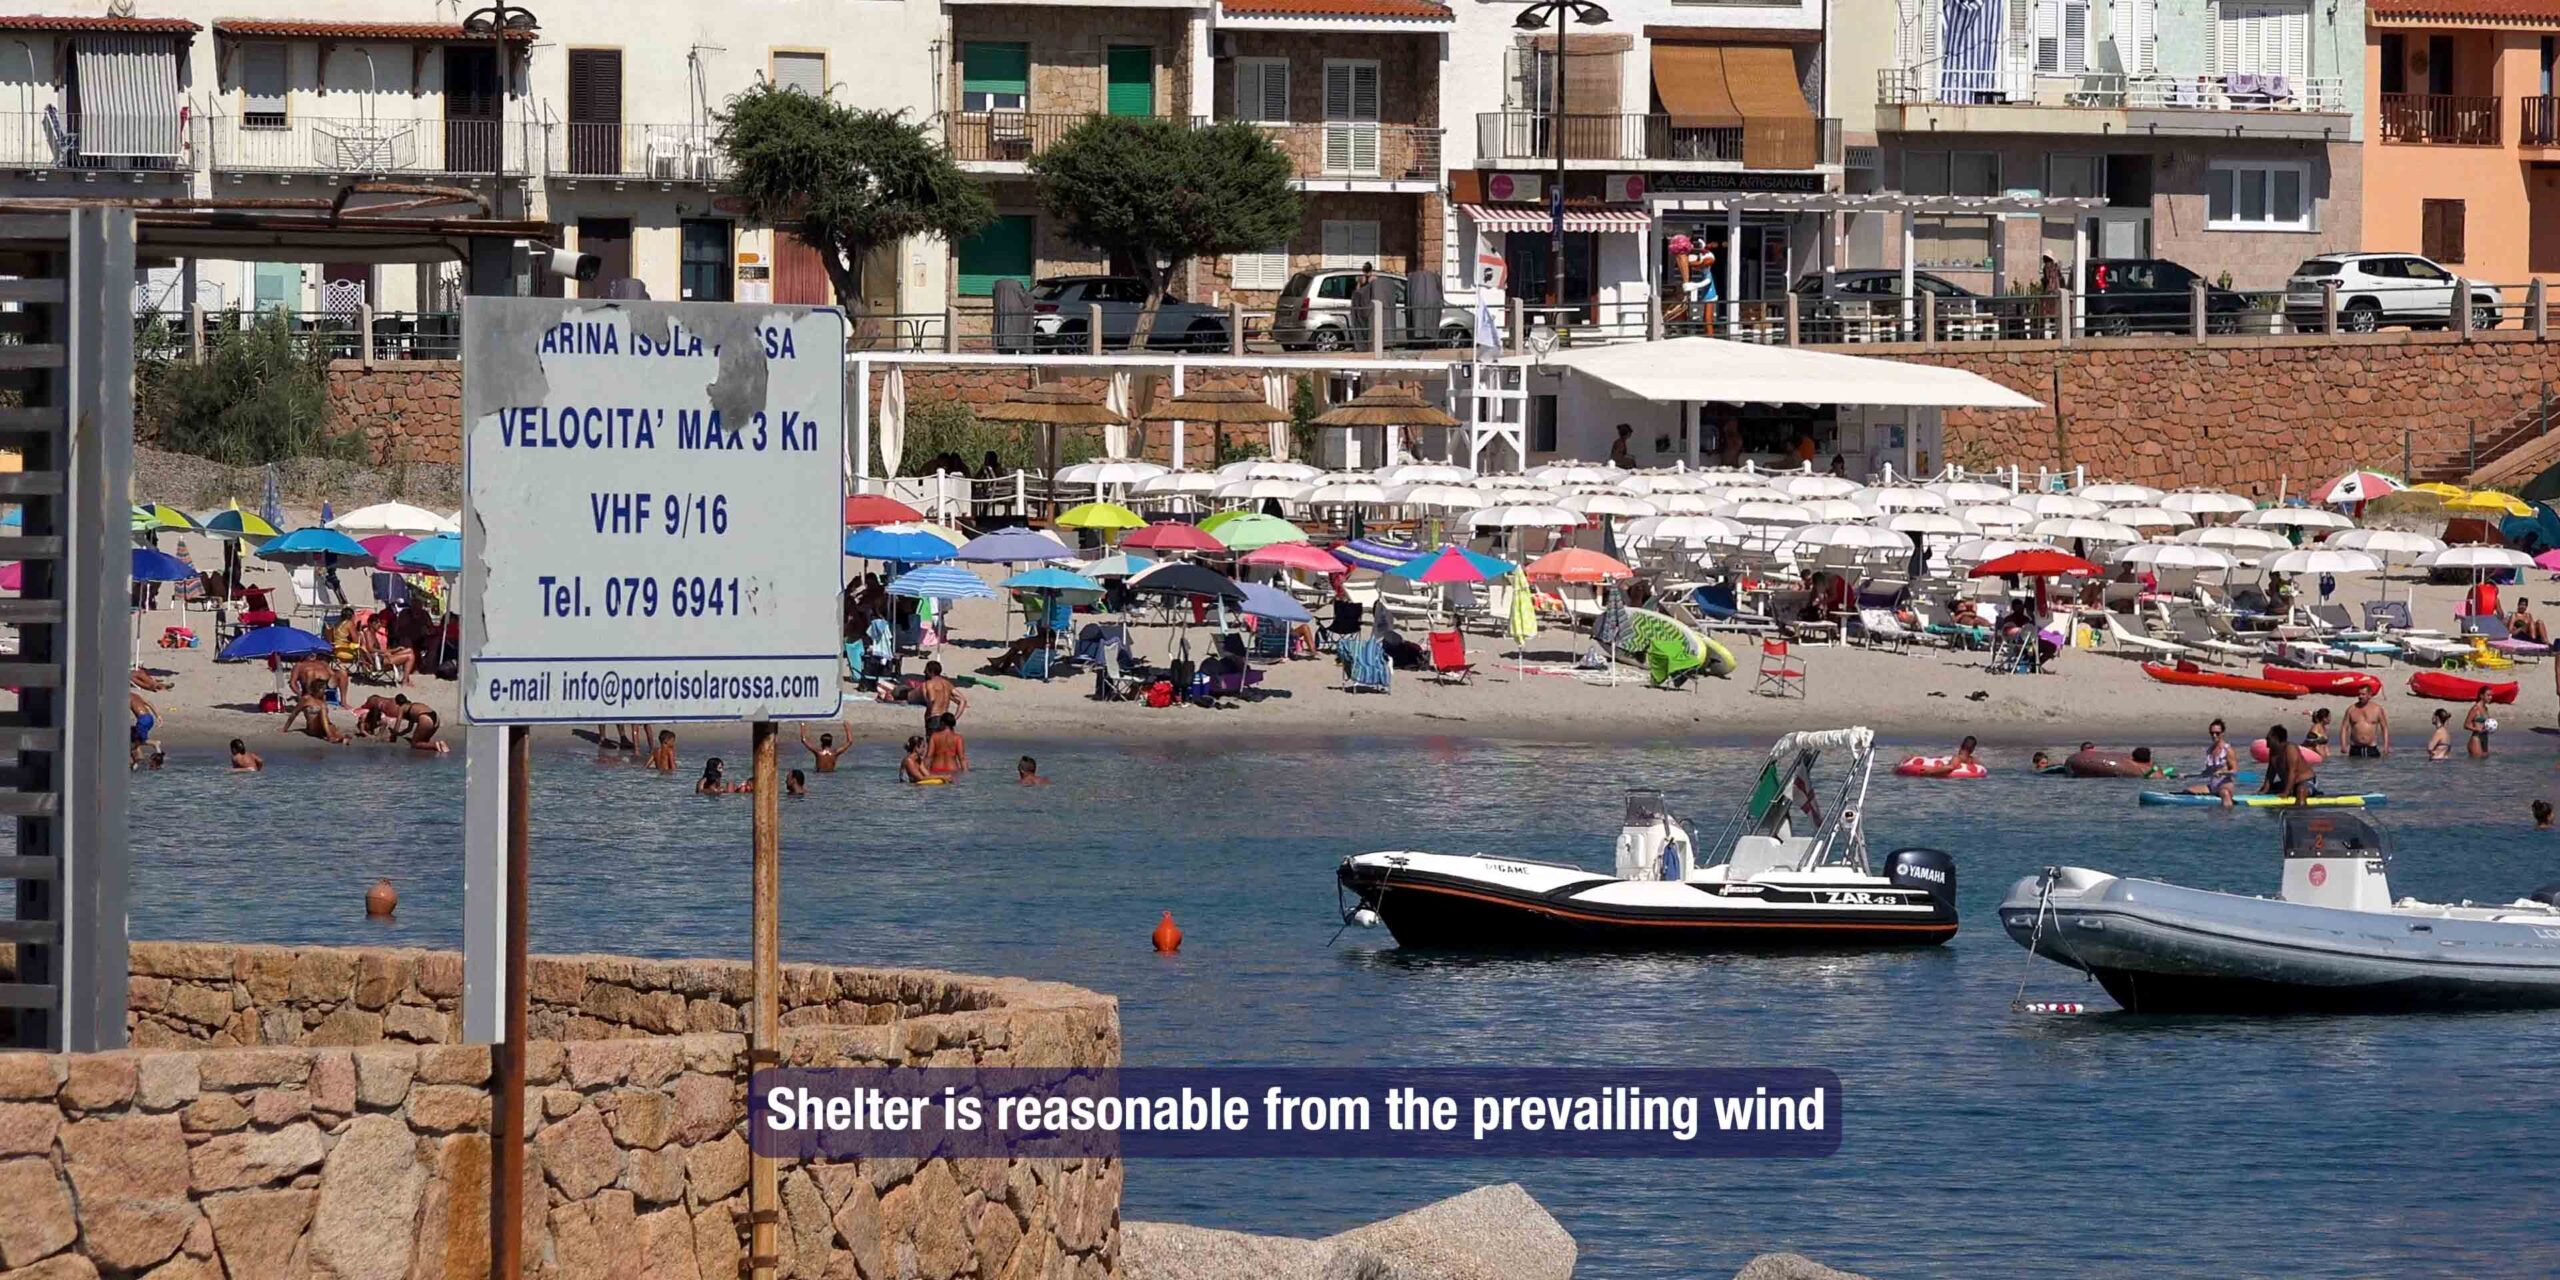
(1012, 546)
(940, 582)
(906, 544)
(1492, 567)
(318, 548)
(278, 641)
(1263, 600)
(159, 566)
(1048, 578)
(1118, 565)
(1376, 554)
(439, 554)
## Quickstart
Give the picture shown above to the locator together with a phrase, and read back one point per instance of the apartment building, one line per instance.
(597, 116)
(2225, 134)
(2465, 162)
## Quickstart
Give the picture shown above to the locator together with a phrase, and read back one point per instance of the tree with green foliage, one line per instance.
(260, 395)
(1159, 192)
(844, 180)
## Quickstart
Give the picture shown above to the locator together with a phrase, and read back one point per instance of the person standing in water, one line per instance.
(2478, 723)
(911, 765)
(796, 785)
(1027, 772)
(663, 759)
(2368, 728)
(2440, 743)
(826, 751)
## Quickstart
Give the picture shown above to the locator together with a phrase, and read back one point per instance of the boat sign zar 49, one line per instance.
(1794, 874)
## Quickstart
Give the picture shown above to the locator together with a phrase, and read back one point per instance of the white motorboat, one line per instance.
(2333, 940)
(1794, 874)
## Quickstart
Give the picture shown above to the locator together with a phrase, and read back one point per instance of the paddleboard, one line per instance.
(2370, 800)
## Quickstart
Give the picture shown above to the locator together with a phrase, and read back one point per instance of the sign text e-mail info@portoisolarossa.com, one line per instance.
(1286, 1112)
(654, 510)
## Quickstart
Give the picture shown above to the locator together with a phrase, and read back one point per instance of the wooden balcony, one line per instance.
(2440, 119)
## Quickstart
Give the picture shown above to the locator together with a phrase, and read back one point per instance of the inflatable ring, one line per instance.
(931, 782)
(1936, 767)
(2258, 752)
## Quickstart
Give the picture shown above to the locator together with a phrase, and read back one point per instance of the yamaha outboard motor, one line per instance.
(1930, 870)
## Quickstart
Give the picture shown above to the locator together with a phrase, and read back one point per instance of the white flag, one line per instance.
(1488, 334)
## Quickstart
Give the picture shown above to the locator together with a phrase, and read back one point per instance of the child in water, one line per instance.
(796, 785)
(243, 760)
(911, 768)
(715, 780)
(2440, 743)
(664, 758)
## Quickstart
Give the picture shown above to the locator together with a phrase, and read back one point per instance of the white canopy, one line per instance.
(1678, 369)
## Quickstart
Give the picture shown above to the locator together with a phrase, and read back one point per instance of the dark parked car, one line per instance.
(1062, 316)
(2152, 295)
(1869, 282)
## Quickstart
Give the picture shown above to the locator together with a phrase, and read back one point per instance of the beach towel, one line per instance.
(1364, 664)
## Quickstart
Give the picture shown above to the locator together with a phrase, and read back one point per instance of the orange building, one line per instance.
(2462, 161)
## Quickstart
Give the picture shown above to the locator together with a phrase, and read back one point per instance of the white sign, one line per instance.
(653, 511)
(1492, 274)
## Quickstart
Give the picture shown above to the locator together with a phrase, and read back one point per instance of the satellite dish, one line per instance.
(1542, 339)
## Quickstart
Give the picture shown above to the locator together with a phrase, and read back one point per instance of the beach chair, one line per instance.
(2339, 632)
(1364, 664)
(1112, 681)
(1881, 629)
(2196, 633)
(2493, 631)
(1781, 674)
(1449, 663)
(1270, 640)
(2125, 641)
(1938, 620)
(1719, 606)
(313, 593)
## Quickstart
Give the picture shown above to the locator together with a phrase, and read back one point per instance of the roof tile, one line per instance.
(2537, 11)
(1410, 10)
(290, 28)
(96, 22)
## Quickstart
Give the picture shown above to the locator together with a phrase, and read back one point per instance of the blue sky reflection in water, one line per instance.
(1978, 1142)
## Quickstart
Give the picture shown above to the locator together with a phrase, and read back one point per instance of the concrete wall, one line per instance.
(350, 1151)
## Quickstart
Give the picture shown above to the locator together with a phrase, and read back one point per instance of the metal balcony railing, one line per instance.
(52, 139)
(375, 145)
(1751, 144)
(686, 153)
(1358, 149)
(2019, 85)
(1000, 136)
(2441, 119)
(2538, 124)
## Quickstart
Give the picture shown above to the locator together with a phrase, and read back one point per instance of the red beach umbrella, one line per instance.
(2035, 564)
(863, 510)
(1171, 535)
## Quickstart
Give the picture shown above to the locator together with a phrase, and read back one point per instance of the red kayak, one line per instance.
(2453, 688)
(2340, 684)
(2190, 674)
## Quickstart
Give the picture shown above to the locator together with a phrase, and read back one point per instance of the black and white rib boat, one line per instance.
(1794, 874)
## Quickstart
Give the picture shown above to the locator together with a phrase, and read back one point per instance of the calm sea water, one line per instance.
(1978, 1142)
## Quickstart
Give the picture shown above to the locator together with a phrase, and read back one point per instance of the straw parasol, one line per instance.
(1052, 407)
(1386, 406)
(1221, 408)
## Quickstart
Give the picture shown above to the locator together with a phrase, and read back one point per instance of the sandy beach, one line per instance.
(1924, 697)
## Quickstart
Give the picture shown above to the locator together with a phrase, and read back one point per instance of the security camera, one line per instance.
(572, 264)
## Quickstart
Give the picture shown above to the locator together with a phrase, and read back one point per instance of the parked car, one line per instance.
(1875, 282)
(1062, 316)
(2153, 295)
(2375, 289)
(1315, 311)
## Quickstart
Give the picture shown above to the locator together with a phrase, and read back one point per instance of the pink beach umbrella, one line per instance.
(384, 546)
(13, 576)
(1169, 535)
(1297, 555)
(1448, 566)
(2548, 560)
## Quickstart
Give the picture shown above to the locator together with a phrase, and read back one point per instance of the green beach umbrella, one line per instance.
(162, 516)
(1252, 530)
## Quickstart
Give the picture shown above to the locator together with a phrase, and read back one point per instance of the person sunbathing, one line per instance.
(143, 679)
(2524, 626)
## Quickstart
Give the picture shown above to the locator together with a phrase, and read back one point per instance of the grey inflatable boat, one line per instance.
(2333, 941)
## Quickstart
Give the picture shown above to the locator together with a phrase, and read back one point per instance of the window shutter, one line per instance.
(1262, 90)
(806, 72)
(1268, 269)
(1349, 243)
(595, 86)
(262, 83)
(2132, 27)
(2020, 28)
(1351, 117)
(1932, 13)
(2075, 35)
(2293, 30)
(2047, 30)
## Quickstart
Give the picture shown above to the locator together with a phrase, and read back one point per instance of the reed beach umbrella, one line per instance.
(1392, 406)
(1051, 407)
(1220, 408)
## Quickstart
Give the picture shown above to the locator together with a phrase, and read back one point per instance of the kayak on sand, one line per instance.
(2188, 673)
(2338, 684)
(2448, 687)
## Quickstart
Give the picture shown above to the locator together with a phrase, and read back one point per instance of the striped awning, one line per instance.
(1490, 219)
(128, 95)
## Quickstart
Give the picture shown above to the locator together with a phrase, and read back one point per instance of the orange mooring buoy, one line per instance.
(381, 899)
(1168, 935)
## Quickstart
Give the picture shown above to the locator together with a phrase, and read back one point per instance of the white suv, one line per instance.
(2375, 289)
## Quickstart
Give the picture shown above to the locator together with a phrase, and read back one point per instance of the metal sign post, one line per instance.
(651, 533)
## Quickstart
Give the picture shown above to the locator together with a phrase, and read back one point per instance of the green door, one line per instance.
(1132, 72)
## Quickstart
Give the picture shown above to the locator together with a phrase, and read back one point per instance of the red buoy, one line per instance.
(1168, 935)
(381, 899)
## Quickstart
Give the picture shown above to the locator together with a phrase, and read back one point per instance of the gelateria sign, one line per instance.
(653, 514)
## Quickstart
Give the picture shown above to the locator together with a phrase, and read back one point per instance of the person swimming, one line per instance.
(1027, 772)
(714, 780)
(243, 760)
(2142, 756)
(911, 766)
(2040, 761)
(797, 784)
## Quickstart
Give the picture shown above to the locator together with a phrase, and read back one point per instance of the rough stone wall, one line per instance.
(1068, 47)
(406, 411)
(370, 1160)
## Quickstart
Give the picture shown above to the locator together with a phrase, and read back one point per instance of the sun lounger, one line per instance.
(1881, 629)
(2197, 634)
(2494, 630)
(1717, 605)
(2388, 615)
(2340, 632)
(1937, 620)
(2434, 651)
(2127, 641)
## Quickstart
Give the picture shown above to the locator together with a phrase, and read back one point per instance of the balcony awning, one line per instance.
(128, 95)
(1490, 219)
(301, 29)
(1690, 80)
(103, 24)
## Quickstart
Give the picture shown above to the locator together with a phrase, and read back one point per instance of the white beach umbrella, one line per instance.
(1767, 513)
(1424, 473)
(2324, 560)
(1523, 493)
(1523, 516)
(1997, 517)
(2235, 537)
(1684, 530)
(2206, 502)
(2392, 546)
(1685, 503)
(1901, 499)
(2121, 495)
(2147, 517)
(1176, 482)
(1565, 473)
(1605, 503)
(1814, 486)
(1667, 482)
(2082, 529)
(1342, 492)
(2475, 558)
(1979, 550)
(1258, 489)
(1836, 510)
(1931, 524)
(2174, 555)
(393, 517)
(1855, 540)
(2057, 504)
(1969, 492)
(1111, 471)
(1269, 469)
(1509, 480)
(2297, 518)
(1448, 497)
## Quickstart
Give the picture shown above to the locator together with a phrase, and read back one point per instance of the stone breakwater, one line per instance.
(303, 1112)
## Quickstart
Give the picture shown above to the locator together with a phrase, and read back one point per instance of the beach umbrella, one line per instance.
(2476, 558)
(1050, 408)
(1523, 516)
(1980, 550)
(1522, 622)
(439, 554)
(1169, 535)
(2048, 505)
(1575, 564)
(1649, 482)
(1219, 408)
(2299, 518)
(234, 524)
(2489, 502)
(2324, 560)
(1263, 488)
(1683, 503)
(2547, 560)
(160, 566)
(154, 516)
(1969, 492)
(1609, 504)
(1171, 483)
(940, 582)
(1182, 578)
(2243, 540)
(2149, 517)
(278, 641)
(1900, 499)
(1684, 530)
(1012, 546)
(1836, 511)
(1731, 494)
(1767, 513)
(1572, 473)
(1930, 524)
(1424, 473)
(2206, 502)
(898, 543)
(2439, 489)
(1100, 515)
(2121, 495)
(1253, 530)
(1110, 471)
(1448, 497)
(1265, 601)
(1853, 538)
(2390, 545)
(1451, 564)
(1120, 565)
(270, 500)
(863, 510)
(1051, 578)
(1301, 556)
(1515, 489)
(1999, 516)
(1342, 492)
(1813, 485)
(2043, 562)
(1269, 469)
(2173, 555)
(1375, 554)
(384, 547)
(2356, 486)
(1386, 406)
(393, 517)
(2082, 529)
(317, 548)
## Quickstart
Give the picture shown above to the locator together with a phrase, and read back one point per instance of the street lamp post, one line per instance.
(1535, 18)
(499, 22)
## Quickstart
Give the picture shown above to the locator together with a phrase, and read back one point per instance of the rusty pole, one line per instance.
(506, 1111)
(763, 1199)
